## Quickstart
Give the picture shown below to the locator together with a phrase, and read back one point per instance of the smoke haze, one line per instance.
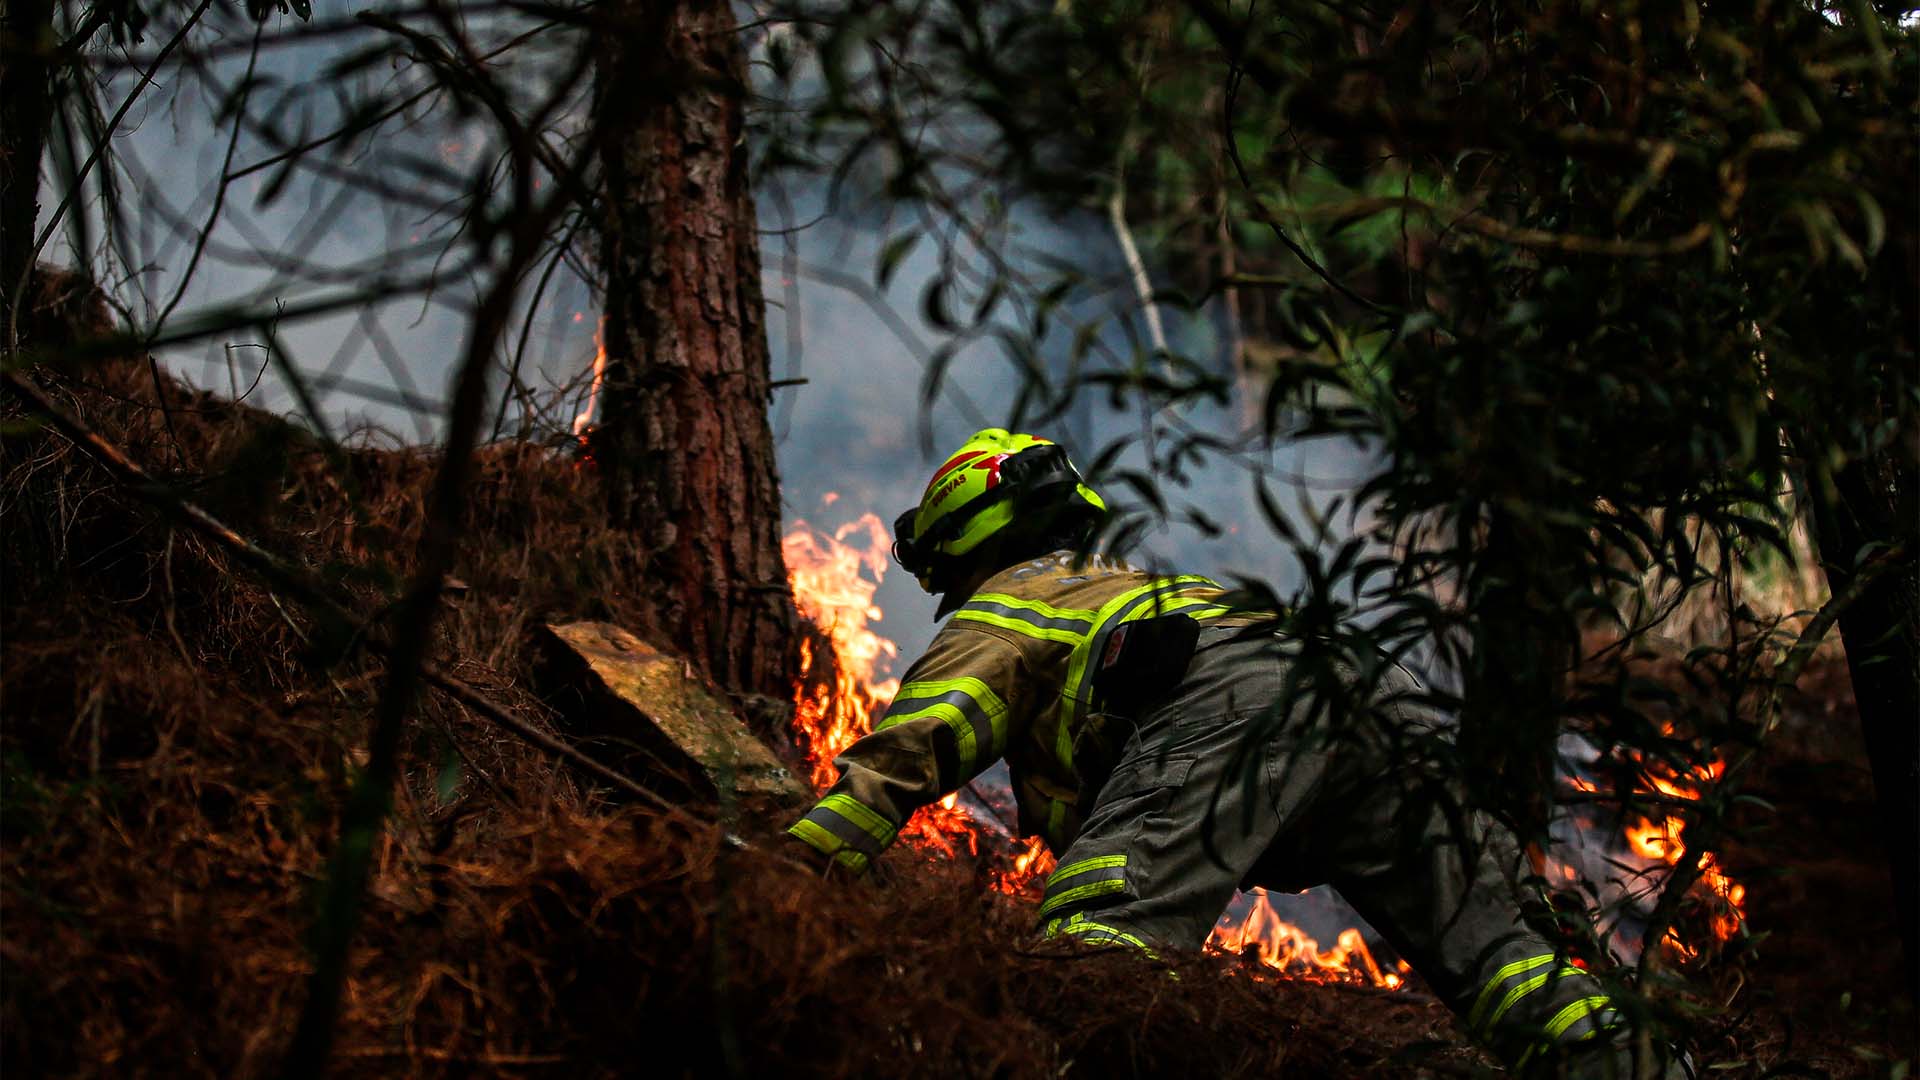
(857, 436)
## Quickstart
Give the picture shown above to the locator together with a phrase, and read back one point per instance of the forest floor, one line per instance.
(177, 741)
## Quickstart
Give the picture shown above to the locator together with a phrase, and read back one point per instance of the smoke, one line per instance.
(860, 426)
(861, 433)
(866, 427)
(368, 225)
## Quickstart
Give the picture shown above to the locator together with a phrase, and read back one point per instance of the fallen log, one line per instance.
(621, 692)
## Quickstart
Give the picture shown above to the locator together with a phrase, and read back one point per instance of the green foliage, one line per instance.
(1611, 291)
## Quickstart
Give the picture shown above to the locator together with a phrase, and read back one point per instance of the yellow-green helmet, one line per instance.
(997, 486)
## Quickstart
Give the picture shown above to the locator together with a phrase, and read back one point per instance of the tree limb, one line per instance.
(1259, 205)
(79, 179)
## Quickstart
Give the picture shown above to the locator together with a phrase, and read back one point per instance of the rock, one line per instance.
(623, 693)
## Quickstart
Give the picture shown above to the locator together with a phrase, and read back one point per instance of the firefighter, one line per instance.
(1137, 716)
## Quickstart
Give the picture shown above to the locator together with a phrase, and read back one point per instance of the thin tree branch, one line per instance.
(200, 249)
(1136, 269)
(1235, 66)
(364, 816)
(878, 304)
(79, 179)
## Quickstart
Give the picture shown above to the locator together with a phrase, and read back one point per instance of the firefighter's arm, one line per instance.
(955, 714)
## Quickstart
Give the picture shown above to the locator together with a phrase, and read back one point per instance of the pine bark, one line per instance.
(684, 442)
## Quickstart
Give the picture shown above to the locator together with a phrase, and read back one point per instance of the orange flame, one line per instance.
(1657, 839)
(833, 593)
(1277, 944)
(1030, 869)
(838, 696)
(592, 410)
(1662, 841)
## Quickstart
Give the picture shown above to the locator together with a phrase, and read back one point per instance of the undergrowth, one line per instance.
(178, 740)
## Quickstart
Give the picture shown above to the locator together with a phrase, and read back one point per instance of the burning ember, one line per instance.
(1031, 865)
(842, 691)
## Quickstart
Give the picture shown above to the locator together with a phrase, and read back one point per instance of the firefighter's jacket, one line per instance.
(1008, 676)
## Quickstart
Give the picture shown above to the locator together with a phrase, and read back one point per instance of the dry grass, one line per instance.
(177, 741)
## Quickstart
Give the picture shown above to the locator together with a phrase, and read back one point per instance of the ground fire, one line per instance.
(1651, 843)
(1280, 945)
(838, 697)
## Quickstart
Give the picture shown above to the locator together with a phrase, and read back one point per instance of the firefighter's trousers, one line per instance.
(1213, 792)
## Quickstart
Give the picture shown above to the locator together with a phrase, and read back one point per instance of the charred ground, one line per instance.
(178, 738)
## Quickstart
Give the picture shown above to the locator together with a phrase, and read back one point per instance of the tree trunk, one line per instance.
(1514, 694)
(684, 442)
(1856, 396)
(1875, 501)
(26, 113)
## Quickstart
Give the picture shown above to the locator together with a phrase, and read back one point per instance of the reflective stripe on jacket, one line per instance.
(1006, 677)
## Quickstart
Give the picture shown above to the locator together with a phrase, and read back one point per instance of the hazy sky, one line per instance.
(854, 428)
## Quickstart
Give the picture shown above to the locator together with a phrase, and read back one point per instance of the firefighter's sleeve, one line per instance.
(958, 709)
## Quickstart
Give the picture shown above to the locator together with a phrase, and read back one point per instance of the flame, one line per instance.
(1030, 869)
(834, 594)
(584, 421)
(1264, 936)
(1662, 840)
(1655, 835)
(841, 692)
(839, 695)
